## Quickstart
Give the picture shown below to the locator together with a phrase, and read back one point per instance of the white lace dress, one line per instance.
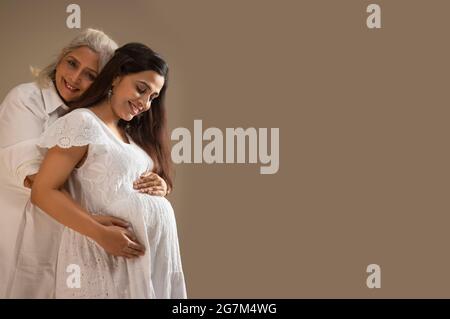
(104, 185)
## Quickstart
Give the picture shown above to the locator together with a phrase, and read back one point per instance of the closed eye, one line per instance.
(141, 89)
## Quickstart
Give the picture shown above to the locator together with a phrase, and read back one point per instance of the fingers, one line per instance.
(147, 177)
(156, 191)
(146, 184)
(133, 252)
(136, 247)
(120, 222)
(131, 235)
(148, 173)
(133, 242)
(150, 190)
(27, 183)
(151, 184)
(152, 180)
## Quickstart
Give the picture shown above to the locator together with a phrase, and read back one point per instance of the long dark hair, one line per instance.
(148, 129)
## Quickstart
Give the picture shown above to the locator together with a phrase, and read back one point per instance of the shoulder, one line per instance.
(77, 128)
(79, 119)
(27, 95)
(24, 91)
(81, 116)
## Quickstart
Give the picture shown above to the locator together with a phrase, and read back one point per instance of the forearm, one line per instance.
(21, 160)
(59, 205)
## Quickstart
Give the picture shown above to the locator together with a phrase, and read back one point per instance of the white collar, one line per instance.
(52, 100)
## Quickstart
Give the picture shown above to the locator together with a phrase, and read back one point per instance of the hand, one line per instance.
(152, 184)
(118, 241)
(28, 182)
(111, 221)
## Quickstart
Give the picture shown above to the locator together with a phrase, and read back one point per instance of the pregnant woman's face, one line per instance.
(75, 73)
(134, 93)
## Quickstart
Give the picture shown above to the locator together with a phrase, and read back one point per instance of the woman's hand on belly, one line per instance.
(119, 241)
(151, 184)
(111, 221)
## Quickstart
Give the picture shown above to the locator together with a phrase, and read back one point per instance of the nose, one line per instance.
(75, 77)
(144, 102)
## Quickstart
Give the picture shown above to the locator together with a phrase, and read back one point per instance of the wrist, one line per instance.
(97, 231)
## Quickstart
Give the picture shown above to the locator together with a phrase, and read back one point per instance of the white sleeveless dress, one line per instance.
(104, 185)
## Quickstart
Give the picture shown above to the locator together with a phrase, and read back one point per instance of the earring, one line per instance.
(110, 93)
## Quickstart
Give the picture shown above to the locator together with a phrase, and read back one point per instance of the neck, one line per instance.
(105, 112)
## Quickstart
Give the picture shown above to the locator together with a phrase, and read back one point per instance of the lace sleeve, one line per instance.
(77, 128)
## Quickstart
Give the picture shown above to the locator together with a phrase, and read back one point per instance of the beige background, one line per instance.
(363, 117)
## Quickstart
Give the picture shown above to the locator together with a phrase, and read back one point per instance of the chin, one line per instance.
(66, 98)
(70, 98)
(127, 118)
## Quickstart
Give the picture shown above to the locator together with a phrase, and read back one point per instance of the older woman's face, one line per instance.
(75, 73)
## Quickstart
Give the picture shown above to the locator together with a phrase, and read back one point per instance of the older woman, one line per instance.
(29, 238)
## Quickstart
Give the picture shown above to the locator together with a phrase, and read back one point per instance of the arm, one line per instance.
(48, 195)
(22, 118)
(21, 162)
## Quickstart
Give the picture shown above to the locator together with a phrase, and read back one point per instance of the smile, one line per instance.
(70, 87)
(134, 109)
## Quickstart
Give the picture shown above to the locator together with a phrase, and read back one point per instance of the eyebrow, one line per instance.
(148, 86)
(78, 61)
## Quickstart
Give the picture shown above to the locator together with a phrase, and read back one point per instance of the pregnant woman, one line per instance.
(117, 131)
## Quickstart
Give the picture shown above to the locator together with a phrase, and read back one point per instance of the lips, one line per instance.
(134, 109)
(71, 88)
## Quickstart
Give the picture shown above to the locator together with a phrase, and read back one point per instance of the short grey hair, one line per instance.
(95, 40)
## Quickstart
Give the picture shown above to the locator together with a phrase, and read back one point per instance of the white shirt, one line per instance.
(29, 238)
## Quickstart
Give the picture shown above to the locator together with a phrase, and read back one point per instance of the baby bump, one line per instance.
(150, 216)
